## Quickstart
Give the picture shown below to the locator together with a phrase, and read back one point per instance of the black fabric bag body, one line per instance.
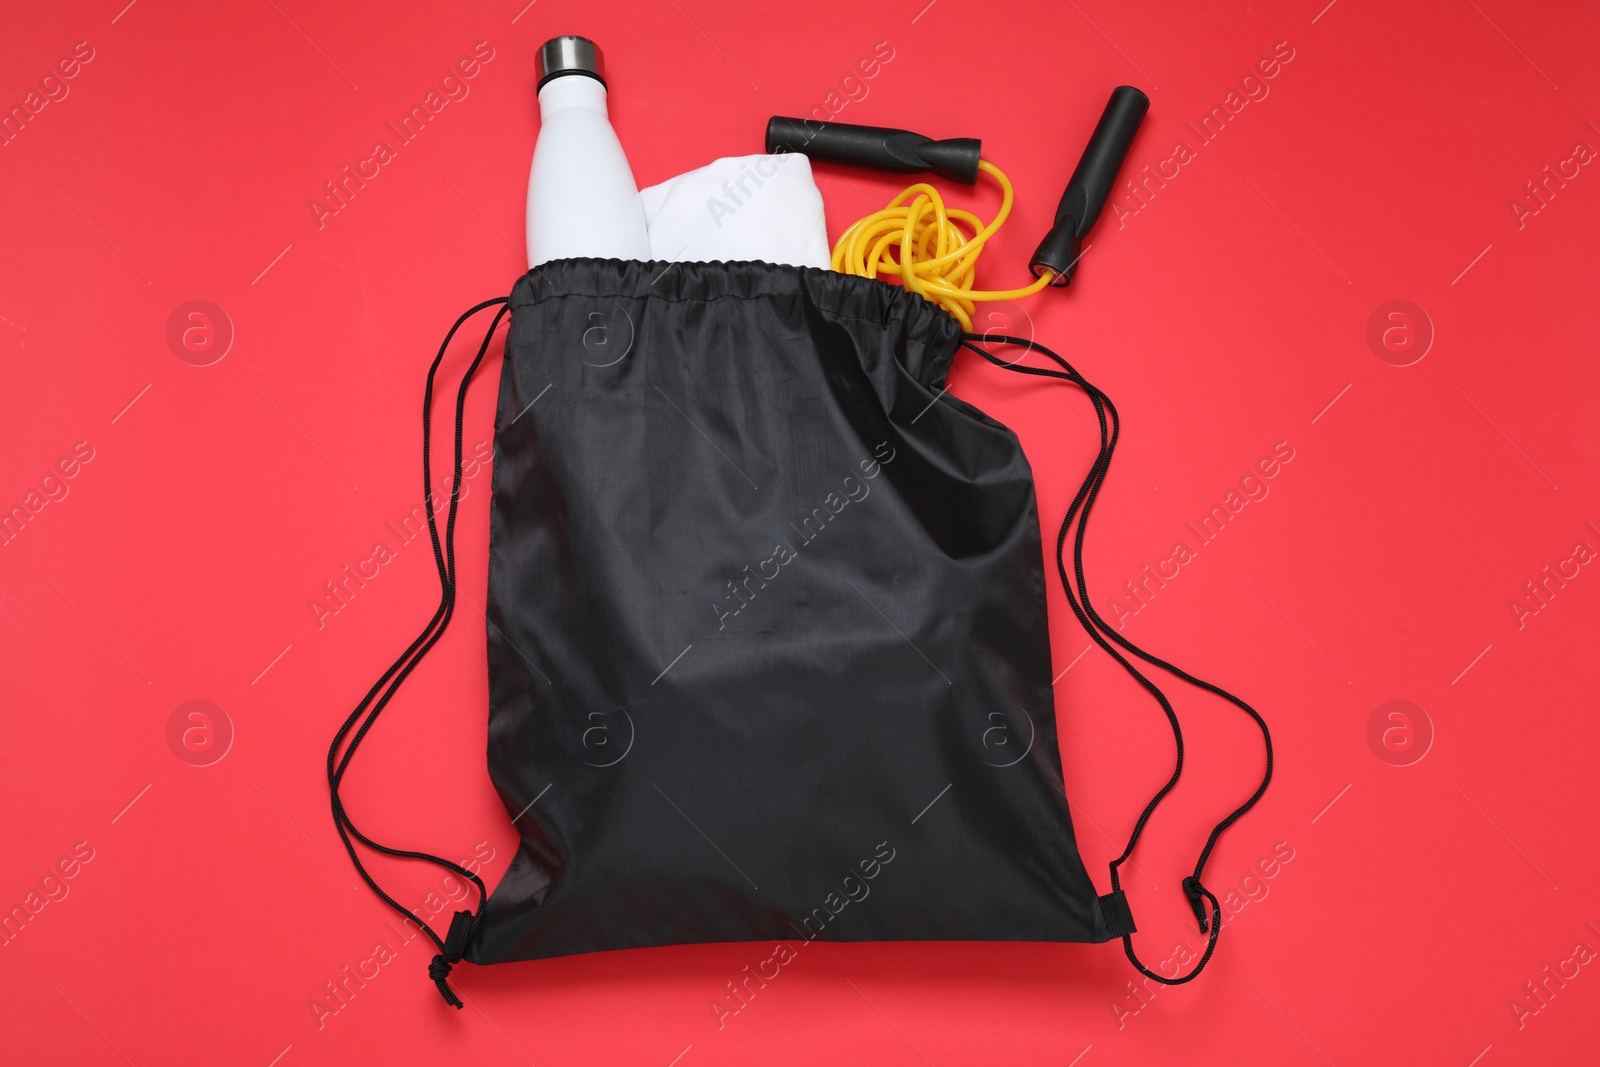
(768, 651)
(767, 644)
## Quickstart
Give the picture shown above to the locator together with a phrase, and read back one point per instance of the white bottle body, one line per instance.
(582, 199)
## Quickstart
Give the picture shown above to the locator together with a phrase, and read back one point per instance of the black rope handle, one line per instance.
(1115, 903)
(453, 945)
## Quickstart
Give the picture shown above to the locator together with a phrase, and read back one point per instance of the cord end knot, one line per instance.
(455, 945)
(1193, 890)
(439, 971)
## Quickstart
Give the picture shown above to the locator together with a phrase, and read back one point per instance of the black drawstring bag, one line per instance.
(768, 652)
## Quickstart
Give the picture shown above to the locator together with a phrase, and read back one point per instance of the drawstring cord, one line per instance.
(1115, 904)
(464, 923)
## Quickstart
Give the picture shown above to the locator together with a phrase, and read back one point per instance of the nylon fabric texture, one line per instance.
(767, 641)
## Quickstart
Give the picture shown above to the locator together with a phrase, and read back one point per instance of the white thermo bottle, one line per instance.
(582, 200)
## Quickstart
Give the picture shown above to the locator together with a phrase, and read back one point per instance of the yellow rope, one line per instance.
(932, 249)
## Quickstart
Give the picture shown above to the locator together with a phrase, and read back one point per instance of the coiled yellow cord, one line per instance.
(924, 244)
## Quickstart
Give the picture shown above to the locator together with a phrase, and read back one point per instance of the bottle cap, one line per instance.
(570, 55)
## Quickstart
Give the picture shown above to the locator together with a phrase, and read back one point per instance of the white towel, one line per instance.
(763, 207)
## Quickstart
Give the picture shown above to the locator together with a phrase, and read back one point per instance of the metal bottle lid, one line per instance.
(570, 55)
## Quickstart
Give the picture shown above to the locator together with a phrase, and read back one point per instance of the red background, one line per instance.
(1225, 316)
